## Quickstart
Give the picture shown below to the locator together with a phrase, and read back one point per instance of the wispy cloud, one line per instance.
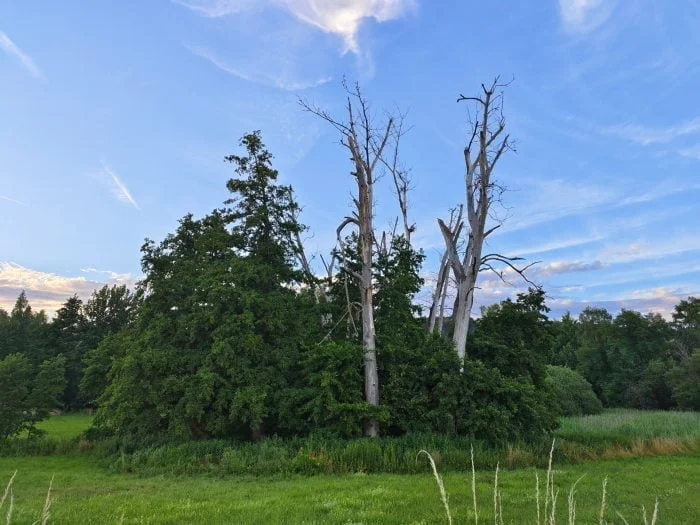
(15, 201)
(116, 186)
(646, 135)
(573, 198)
(692, 152)
(48, 291)
(644, 250)
(559, 244)
(338, 17)
(9, 47)
(270, 80)
(581, 16)
(216, 8)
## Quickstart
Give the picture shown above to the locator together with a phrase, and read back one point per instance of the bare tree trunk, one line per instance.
(439, 293)
(441, 286)
(366, 145)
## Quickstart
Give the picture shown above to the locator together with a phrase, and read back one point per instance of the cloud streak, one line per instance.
(9, 47)
(116, 186)
(269, 80)
(647, 135)
(15, 201)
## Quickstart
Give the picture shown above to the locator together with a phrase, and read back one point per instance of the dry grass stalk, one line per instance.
(441, 486)
(8, 489)
(601, 518)
(46, 511)
(572, 501)
(553, 511)
(549, 481)
(537, 496)
(12, 506)
(476, 513)
(495, 497)
(622, 518)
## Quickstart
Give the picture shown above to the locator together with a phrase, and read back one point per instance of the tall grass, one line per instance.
(549, 514)
(615, 434)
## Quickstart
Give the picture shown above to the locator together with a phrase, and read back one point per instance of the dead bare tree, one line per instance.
(366, 143)
(400, 175)
(486, 144)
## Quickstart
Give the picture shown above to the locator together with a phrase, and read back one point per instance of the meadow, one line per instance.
(90, 489)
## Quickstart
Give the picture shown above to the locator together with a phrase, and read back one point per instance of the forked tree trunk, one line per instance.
(484, 148)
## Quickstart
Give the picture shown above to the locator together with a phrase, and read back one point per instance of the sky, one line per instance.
(115, 118)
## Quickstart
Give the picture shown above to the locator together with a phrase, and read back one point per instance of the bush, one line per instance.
(574, 395)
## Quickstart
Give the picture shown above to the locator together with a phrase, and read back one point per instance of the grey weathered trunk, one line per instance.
(366, 144)
(365, 212)
(481, 154)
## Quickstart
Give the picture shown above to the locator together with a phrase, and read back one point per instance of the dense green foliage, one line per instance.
(230, 336)
(573, 393)
(634, 360)
(27, 392)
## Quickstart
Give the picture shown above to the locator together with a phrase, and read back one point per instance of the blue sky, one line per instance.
(115, 117)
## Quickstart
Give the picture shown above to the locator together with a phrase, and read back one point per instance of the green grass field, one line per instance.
(84, 493)
(65, 425)
(626, 425)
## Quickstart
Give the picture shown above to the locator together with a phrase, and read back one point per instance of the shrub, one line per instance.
(573, 394)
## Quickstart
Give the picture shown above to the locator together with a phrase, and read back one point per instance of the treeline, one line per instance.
(230, 336)
(635, 360)
(42, 362)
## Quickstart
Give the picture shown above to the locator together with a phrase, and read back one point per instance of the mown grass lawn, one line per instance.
(66, 425)
(85, 493)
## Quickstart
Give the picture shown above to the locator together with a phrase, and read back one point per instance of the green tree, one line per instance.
(28, 393)
(109, 313)
(26, 332)
(686, 328)
(216, 349)
(596, 336)
(684, 379)
(68, 334)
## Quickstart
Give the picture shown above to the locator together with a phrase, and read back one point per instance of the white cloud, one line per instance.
(9, 47)
(48, 291)
(581, 16)
(646, 135)
(561, 267)
(339, 17)
(116, 186)
(271, 80)
(15, 201)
